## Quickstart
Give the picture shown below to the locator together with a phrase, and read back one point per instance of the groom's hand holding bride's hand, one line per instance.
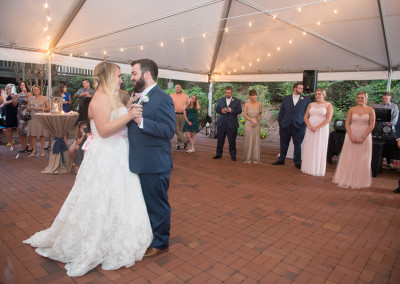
(135, 111)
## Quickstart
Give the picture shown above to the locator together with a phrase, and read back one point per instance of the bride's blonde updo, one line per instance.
(104, 78)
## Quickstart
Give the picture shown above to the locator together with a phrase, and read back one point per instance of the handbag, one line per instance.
(27, 116)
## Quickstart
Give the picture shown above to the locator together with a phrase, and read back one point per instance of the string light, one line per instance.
(258, 59)
(122, 49)
(204, 35)
(250, 64)
(290, 41)
(250, 24)
(48, 18)
(299, 9)
(318, 23)
(242, 67)
(105, 52)
(182, 40)
(335, 11)
(70, 54)
(226, 30)
(86, 54)
(141, 47)
(46, 28)
(278, 49)
(162, 44)
(46, 5)
(234, 70)
(269, 54)
(304, 33)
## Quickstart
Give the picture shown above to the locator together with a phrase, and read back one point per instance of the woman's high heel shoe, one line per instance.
(33, 154)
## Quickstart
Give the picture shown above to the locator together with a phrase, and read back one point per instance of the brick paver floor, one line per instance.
(231, 222)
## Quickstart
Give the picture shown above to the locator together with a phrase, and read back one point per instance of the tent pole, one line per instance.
(49, 78)
(210, 94)
(389, 84)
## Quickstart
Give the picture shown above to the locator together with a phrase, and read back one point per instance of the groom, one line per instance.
(150, 149)
(292, 125)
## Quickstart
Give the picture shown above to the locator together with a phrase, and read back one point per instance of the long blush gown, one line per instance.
(315, 144)
(104, 218)
(354, 167)
(251, 147)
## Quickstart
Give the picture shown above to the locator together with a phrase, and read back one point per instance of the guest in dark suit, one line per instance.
(227, 123)
(291, 124)
(150, 149)
(397, 190)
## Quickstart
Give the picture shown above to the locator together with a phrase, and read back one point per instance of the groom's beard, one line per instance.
(139, 85)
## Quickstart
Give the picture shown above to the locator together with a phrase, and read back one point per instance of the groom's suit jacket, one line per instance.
(228, 120)
(150, 147)
(290, 114)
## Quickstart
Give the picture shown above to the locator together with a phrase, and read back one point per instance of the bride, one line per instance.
(104, 218)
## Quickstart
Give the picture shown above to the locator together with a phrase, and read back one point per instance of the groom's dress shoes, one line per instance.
(298, 166)
(153, 252)
(278, 163)
(233, 158)
(217, 157)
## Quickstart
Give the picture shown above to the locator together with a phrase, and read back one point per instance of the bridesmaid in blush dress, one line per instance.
(253, 113)
(354, 167)
(315, 144)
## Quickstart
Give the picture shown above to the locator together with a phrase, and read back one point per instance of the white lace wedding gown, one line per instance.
(104, 218)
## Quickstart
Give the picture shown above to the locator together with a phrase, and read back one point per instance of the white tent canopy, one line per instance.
(234, 40)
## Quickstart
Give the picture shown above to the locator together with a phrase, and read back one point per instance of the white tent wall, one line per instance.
(264, 39)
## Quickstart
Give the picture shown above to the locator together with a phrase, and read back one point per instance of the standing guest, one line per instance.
(37, 104)
(397, 190)
(9, 111)
(22, 100)
(386, 104)
(252, 112)
(354, 167)
(292, 125)
(85, 95)
(227, 123)
(317, 118)
(62, 89)
(181, 100)
(191, 125)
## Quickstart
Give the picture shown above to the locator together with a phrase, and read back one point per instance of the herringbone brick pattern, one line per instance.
(231, 222)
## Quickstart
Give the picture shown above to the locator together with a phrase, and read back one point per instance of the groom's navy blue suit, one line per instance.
(150, 157)
(292, 125)
(227, 124)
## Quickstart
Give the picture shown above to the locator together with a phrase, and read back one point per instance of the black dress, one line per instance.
(10, 112)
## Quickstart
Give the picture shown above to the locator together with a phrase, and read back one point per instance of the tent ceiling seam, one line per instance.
(221, 31)
(315, 35)
(140, 24)
(77, 5)
(384, 33)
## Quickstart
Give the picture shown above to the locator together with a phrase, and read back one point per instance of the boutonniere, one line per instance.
(233, 99)
(301, 98)
(144, 99)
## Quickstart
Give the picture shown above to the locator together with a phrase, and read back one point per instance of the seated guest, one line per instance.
(354, 167)
(317, 118)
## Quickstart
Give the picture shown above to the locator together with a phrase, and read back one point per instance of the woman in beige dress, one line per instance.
(252, 112)
(354, 167)
(37, 104)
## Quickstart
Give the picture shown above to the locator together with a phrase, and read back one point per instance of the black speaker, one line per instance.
(310, 78)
